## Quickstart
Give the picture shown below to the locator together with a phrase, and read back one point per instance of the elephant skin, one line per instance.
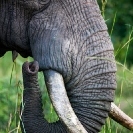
(70, 37)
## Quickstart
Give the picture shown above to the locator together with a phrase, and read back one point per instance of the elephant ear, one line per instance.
(35, 5)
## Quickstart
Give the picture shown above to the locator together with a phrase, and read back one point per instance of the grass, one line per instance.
(11, 89)
(123, 99)
(124, 91)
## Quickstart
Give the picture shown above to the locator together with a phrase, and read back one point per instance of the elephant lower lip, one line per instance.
(58, 95)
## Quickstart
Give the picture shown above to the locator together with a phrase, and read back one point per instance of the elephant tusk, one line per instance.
(60, 101)
(119, 116)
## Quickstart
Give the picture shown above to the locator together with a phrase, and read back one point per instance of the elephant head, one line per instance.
(71, 38)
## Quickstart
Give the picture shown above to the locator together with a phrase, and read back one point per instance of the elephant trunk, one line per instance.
(32, 118)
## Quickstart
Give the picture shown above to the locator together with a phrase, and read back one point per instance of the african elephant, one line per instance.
(71, 38)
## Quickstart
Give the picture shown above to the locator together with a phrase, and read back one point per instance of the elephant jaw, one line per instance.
(60, 101)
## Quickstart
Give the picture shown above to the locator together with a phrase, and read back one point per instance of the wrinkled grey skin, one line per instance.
(70, 37)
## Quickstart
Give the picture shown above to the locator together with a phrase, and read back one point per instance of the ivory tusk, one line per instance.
(60, 101)
(119, 116)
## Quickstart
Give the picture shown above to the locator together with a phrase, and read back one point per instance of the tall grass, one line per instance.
(124, 89)
(11, 90)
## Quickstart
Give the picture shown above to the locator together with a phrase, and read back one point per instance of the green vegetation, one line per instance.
(117, 15)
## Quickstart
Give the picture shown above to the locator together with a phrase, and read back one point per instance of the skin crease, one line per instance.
(70, 37)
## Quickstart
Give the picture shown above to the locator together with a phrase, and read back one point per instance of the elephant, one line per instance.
(68, 37)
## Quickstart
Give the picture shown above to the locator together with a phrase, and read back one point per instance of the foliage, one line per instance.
(118, 16)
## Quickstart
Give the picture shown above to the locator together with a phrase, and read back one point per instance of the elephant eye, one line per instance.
(43, 2)
(35, 5)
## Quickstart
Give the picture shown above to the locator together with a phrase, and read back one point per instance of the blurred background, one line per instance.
(118, 16)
